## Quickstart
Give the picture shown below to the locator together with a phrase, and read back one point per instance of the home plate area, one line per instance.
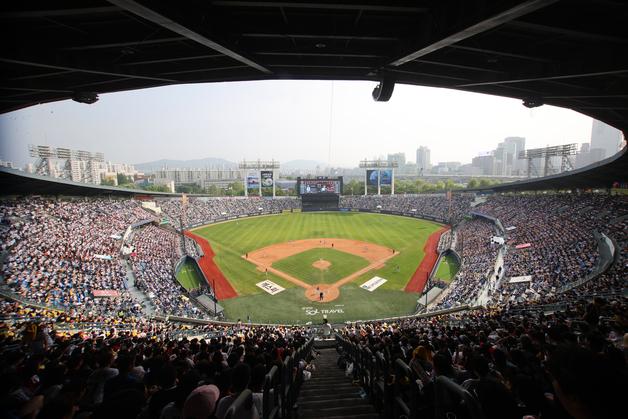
(376, 256)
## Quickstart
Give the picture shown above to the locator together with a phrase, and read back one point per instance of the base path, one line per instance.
(212, 272)
(419, 279)
(264, 258)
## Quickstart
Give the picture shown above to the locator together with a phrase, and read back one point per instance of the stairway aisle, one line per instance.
(331, 395)
(140, 296)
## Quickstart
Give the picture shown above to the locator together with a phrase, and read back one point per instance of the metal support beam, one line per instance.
(595, 37)
(34, 14)
(84, 70)
(548, 78)
(126, 43)
(164, 21)
(173, 59)
(491, 52)
(460, 66)
(515, 12)
(347, 37)
(322, 6)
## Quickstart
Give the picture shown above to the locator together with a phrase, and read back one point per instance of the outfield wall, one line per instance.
(261, 213)
(235, 217)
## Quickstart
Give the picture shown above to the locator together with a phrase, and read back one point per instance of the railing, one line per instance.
(564, 305)
(242, 406)
(281, 389)
(607, 251)
(271, 392)
(394, 391)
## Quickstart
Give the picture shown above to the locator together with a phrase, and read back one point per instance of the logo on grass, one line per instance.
(270, 287)
(313, 311)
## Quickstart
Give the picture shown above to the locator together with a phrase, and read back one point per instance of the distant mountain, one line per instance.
(301, 165)
(209, 162)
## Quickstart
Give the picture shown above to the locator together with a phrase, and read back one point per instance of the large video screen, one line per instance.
(371, 177)
(267, 178)
(385, 177)
(319, 186)
(252, 181)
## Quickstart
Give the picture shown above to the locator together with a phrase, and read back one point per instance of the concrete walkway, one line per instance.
(491, 285)
(143, 299)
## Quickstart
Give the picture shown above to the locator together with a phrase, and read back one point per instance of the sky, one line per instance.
(336, 123)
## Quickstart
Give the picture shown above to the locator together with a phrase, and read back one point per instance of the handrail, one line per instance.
(242, 406)
(270, 397)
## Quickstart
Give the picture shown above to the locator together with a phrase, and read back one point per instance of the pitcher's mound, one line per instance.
(321, 264)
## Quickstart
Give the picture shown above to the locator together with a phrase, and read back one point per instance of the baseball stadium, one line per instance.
(484, 301)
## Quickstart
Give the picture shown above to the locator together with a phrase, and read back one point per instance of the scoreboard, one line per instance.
(319, 185)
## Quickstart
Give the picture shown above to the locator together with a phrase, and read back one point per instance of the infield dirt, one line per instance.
(377, 256)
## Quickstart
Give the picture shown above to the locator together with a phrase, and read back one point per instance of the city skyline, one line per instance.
(333, 122)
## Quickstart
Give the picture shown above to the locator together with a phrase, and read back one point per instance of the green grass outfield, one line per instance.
(300, 265)
(188, 277)
(447, 269)
(230, 240)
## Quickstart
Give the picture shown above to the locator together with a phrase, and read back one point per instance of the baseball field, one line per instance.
(297, 267)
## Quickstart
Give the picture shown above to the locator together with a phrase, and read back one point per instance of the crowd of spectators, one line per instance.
(559, 231)
(156, 253)
(475, 246)
(569, 364)
(190, 247)
(431, 205)
(60, 252)
(102, 357)
(134, 369)
(445, 241)
(206, 210)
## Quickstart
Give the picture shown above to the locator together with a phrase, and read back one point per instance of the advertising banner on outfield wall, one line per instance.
(385, 177)
(267, 178)
(371, 177)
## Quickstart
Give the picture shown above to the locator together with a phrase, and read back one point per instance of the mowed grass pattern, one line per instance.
(300, 265)
(188, 277)
(230, 240)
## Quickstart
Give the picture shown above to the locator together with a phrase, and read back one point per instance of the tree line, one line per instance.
(353, 187)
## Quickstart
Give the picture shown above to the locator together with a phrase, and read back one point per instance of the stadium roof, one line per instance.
(16, 182)
(569, 53)
(600, 175)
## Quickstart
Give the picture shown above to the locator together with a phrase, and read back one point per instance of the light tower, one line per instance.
(546, 153)
(265, 170)
(378, 165)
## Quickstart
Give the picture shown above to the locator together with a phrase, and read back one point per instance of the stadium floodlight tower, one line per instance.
(374, 167)
(546, 153)
(265, 171)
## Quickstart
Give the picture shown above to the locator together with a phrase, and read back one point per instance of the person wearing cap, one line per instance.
(201, 403)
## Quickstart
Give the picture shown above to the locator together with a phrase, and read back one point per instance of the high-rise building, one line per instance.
(446, 167)
(501, 160)
(423, 159)
(7, 164)
(605, 137)
(486, 163)
(201, 177)
(400, 158)
(507, 156)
